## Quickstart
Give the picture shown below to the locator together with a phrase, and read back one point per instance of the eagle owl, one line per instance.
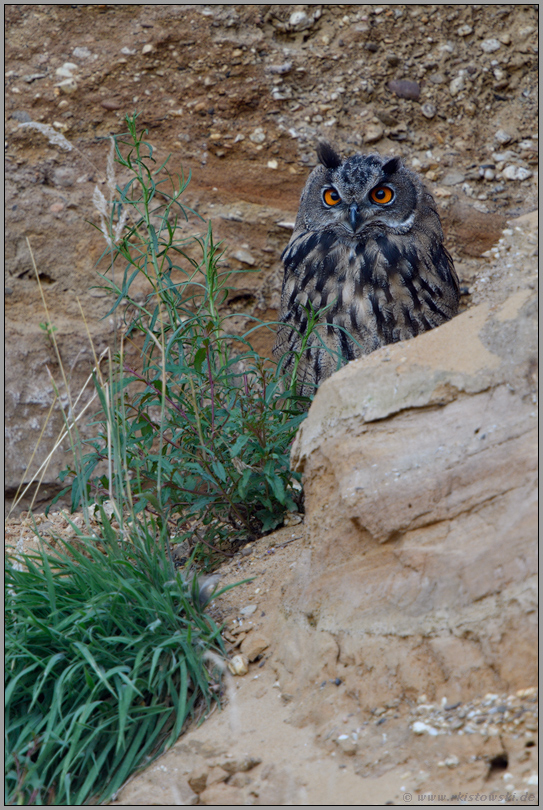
(365, 266)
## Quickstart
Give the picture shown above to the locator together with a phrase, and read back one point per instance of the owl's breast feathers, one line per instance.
(377, 288)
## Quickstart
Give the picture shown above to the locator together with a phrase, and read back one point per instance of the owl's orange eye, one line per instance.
(330, 196)
(381, 195)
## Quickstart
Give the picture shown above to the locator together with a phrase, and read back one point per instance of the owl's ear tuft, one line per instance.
(327, 155)
(392, 166)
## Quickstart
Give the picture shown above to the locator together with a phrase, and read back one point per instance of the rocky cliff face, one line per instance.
(239, 96)
(420, 474)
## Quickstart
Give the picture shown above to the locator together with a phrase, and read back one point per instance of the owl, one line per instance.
(365, 266)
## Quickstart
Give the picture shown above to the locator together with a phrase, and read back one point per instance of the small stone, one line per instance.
(452, 761)
(244, 257)
(347, 745)
(272, 164)
(109, 104)
(422, 728)
(437, 78)
(457, 85)
(20, 115)
(373, 133)
(258, 135)
(149, 48)
(66, 71)
(280, 70)
(68, 86)
(465, 30)
(503, 137)
(489, 174)
(505, 39)
(490, 45)
(197, 779)
(428, 110)
(248, 610)
(453, 178)
(128, 51)
(239, 665)
(405, 88)
(81, 53)
(240, 764)
(56, 208)
(254, 645)
(516, 173)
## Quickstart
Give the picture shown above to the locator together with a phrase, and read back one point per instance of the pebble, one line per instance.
(286, 67)
(254, 645)
(503, 137)
(149, 48)
(405, 88)
(66, 71)
(20, 115)
(428, 110)
(457, 85)
(246, 258)
(109, 104)
(465, 30)
(373, 133)
(437, 78)
(81, 53)
(516, 173)
(248, 610)
(422, 728)
(239, 665)
(490, 45)
(453, 178)
(67, 86)
(257, 135)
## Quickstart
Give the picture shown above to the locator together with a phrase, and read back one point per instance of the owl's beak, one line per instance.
(355, 219)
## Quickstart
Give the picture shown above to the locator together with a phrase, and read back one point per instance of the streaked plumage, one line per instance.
(367, 244)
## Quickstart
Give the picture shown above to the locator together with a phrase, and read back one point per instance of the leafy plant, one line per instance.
(106, 658)
(203, 423)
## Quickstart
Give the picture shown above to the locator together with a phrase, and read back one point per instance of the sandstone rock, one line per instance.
(222, 794)
(253, 645)
(240, 764)
(419, 467)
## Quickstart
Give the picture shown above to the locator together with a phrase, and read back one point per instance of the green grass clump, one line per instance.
(105, 661)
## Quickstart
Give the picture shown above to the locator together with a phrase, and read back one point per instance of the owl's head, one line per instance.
(361, 194)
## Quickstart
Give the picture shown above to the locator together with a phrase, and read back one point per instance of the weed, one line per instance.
(204, 424)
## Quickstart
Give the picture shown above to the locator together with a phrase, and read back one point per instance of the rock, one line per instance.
(239, 665)
(453, 178)
(280, 70)
(457, 85)
(347, 745)
(428, 110)
(66, 71)
(254, 645)
(240, 764)
(464, 30)
(197, 779)
(222, 795)
(420, 476)
(373, 133)
(248, 610)
(502, 137)
(109, 104)
(81, 53)
(490, 45)
(68, 86)
(405, 88)
(20, 115)
(257, 135)
(423, 728)
(244, 257)
(516, 173)
(148, 48)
